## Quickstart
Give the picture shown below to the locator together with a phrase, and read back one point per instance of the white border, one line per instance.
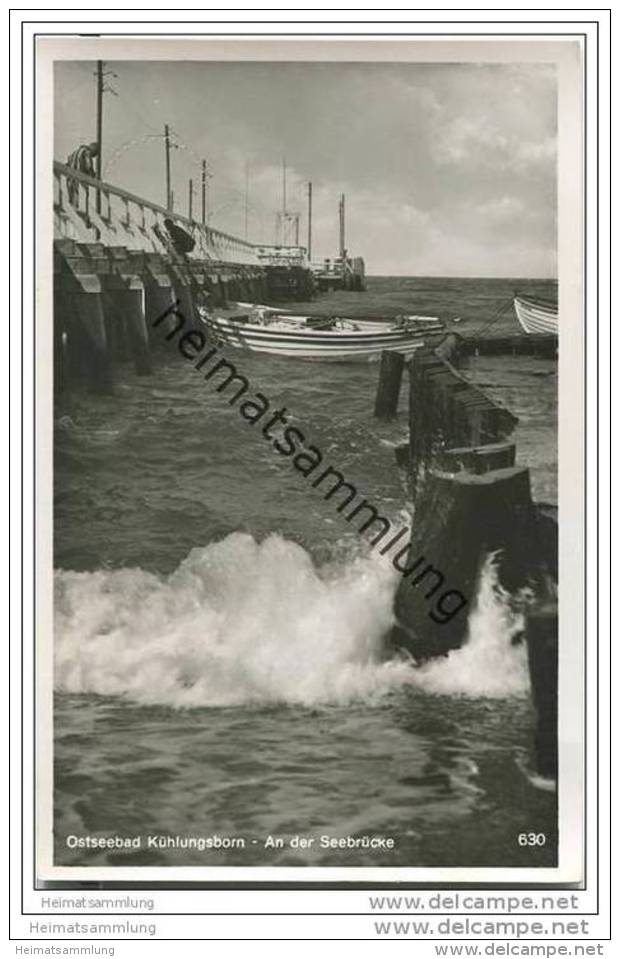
(569, 433)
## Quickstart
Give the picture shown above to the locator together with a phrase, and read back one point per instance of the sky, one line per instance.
(448, 169)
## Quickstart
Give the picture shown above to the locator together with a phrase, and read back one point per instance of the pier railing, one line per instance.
(274, 255)
(89, 210)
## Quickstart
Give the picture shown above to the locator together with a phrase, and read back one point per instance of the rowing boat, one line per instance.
(271, 316)
(343, 340)
(536, 316)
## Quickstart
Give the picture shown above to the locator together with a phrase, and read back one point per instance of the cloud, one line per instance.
(447, 168)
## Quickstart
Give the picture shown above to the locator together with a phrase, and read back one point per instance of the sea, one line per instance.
(222, 666)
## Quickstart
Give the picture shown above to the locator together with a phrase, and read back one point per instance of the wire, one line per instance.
(502, 309)
(128, 145)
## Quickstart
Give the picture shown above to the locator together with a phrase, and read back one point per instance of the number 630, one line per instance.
(531, 839)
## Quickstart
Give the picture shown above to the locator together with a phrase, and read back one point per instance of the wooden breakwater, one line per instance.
(534, 344)
(472, 499)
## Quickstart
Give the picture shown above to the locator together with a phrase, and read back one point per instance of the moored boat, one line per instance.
(536, 316)
(297, 337)
(269, 316)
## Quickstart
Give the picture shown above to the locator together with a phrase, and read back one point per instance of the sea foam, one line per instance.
(247, 622)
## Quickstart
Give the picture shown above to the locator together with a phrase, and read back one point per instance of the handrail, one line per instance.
(107, 188)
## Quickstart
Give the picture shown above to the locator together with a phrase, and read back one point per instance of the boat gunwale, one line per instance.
(361, 337)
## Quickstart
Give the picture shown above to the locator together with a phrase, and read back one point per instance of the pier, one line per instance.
(472, 498)
(116, 267)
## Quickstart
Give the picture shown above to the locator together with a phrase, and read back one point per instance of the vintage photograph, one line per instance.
(306, 333)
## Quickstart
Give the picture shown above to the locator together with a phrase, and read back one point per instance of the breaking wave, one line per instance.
(488, 663)
(246, 622)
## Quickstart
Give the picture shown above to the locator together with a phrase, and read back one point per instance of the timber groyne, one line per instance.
(472, 499)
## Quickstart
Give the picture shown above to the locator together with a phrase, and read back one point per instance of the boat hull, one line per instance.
(536, 317)
(311, 344)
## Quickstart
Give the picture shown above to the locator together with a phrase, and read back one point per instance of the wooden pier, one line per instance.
(472, 499)
(116, 268)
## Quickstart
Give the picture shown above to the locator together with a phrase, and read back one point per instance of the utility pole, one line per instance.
(191, 200)
(247, 197)
(168, 190)
(204, 192)
(98, 165)
(281, 217)
(309, 220)
(341, 217)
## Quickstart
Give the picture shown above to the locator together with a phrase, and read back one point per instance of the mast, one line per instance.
(98, 165)
(284, 219)
(309, 220)
(247, 199)
(204, 191)
(167, 145)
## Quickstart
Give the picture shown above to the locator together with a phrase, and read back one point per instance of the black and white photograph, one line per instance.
(315, 330)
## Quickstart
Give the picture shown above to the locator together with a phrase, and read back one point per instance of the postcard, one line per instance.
(310, 461)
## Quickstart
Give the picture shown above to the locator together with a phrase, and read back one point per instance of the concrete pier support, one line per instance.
(159, 298)
(125, 314)
(183, 293)
(388, 388)
(89, 343)
(115, 325)
(234, 290)
(222, 287)
(260, 289)
(62, 357)
(132, 288)
(138, 333)
(256, 291)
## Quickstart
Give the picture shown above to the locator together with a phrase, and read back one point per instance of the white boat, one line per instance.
(536, 317)
(269, 316)
(344, 340)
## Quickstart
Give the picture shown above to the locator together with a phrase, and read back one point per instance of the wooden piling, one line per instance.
(470, 501)
(534, 344)
(446, 410)
(542, 649)
(388, 387)
(459, 520)
(403, 459)
(478, 459)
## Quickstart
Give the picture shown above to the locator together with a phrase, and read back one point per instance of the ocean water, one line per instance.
(221, 665)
